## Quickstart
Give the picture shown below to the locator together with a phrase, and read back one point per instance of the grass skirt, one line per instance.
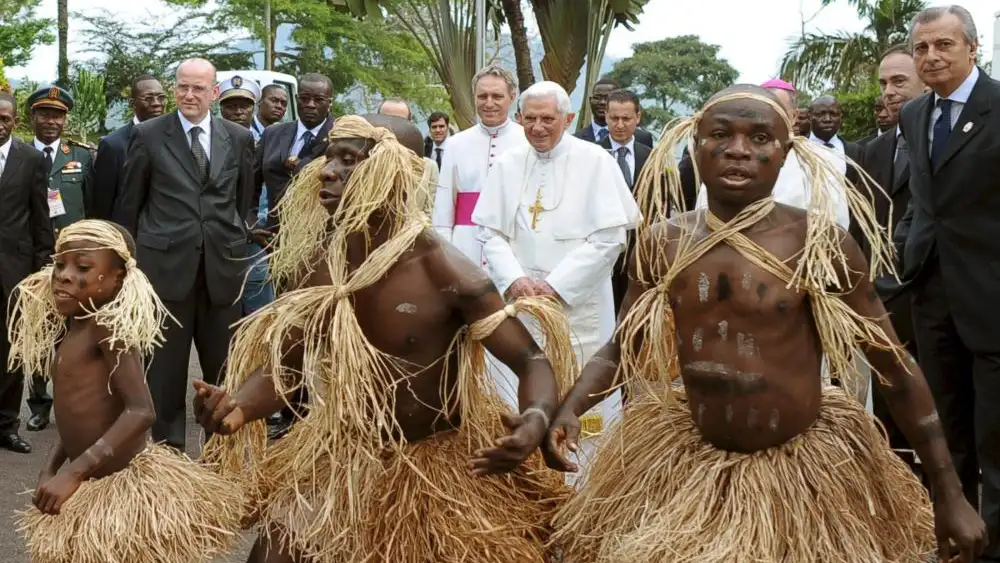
(162, 508)
(658, 493)
(421, 505)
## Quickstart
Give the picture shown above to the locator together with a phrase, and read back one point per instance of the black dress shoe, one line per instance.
(15, 443)
(37, 422)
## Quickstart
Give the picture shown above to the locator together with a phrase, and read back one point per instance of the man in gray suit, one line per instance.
(186, 192)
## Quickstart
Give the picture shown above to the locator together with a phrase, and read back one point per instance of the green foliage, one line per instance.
(4, 83)
(676, 73)
(124, 50)
(90, 109)
(848, 61)
(21, 31)
(24, 89)
(371, 58)
(859, 117)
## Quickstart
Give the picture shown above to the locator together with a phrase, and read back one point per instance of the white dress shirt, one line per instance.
(299, 141)
(958, 100)
(838, 147)
(205, 138)
(4, 152)
(629, 153)
(135, 120)
(54, 145)
(256, 129)
(597, 130)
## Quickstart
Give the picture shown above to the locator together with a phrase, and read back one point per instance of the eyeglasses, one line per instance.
(153, 98)
(318, 100)
(185, 88)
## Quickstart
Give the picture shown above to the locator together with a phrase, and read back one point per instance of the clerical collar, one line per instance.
(561, 148)
(494, 130)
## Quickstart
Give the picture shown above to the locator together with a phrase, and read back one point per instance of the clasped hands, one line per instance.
(527, 287)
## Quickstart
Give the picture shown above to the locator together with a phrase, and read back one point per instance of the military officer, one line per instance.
(70, 195)
(237, 97)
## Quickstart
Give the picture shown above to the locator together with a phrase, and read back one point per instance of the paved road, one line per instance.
(18, 475)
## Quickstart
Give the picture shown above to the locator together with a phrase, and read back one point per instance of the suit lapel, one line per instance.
(918, 142)
(221, 144)
(970, 122)
(640, 160)
(178, 146)
(286, 140)
(12, 163)
(59, 159)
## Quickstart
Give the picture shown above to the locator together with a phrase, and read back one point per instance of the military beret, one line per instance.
(239, 87)
(52, 97)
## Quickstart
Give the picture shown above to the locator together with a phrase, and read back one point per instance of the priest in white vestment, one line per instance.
(469, 156)
(553, 219)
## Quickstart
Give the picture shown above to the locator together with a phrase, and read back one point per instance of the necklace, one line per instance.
(537, 207)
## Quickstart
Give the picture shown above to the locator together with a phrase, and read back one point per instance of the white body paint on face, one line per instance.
(746, 281)
(745, 345)
(701, 413)
(724, 330)
(703, 285)
(729, 413)
(772, 423)
(697, 340)
(406, 308)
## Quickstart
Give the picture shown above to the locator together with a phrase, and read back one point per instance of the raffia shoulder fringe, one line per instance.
(135, 318)
(162, 508)
(659, 493)
(647, 332)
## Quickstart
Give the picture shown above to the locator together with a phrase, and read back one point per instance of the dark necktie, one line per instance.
(901, 161)
(621, 153)
(307, 139)
(198, 151)
(437, 157)
(601, 135)
(48, 156)
(942, 129)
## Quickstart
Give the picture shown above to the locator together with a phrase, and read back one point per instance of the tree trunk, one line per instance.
(63, 15)
(519, 39)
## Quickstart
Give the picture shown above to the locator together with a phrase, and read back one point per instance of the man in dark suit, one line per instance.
(952, 244)
(826, 118)
(186, 193)
(285, 148)
(26, 242)
(437, 134)
(147, 99)
(886, 159)
(623, 115)
(597, 130)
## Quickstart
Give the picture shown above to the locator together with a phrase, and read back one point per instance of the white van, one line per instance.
(266, 77)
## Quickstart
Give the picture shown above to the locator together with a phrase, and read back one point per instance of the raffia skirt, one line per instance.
(659, 493)
(421, 505)
(162, 508)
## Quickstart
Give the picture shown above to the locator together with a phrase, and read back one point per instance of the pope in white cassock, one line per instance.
(468, 158)
(553, 219)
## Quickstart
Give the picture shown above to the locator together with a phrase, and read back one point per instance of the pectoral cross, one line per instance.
(536, 209)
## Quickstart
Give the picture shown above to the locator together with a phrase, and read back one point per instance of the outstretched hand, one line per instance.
(563, 435)
(527, 433)
(956, 522)
(215, 410)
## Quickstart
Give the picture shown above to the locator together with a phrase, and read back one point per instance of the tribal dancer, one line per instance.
(402, 456)
(753, 460)
(106, 493)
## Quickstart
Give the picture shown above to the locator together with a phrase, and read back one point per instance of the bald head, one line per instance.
(406, 133)
(196, 89)
(397, 107)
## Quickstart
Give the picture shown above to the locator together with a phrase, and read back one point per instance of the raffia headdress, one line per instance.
(821, 268)
(134, 318)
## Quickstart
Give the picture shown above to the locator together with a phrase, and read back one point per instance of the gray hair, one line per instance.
(929, 15)
(498, 71)
(549, 89)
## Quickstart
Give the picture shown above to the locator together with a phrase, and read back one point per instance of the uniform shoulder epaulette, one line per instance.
(75, 143)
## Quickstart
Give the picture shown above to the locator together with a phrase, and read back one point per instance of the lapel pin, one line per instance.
(967, 127)
(65, 149)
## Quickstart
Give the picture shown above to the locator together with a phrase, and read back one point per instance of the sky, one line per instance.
(753, 34)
